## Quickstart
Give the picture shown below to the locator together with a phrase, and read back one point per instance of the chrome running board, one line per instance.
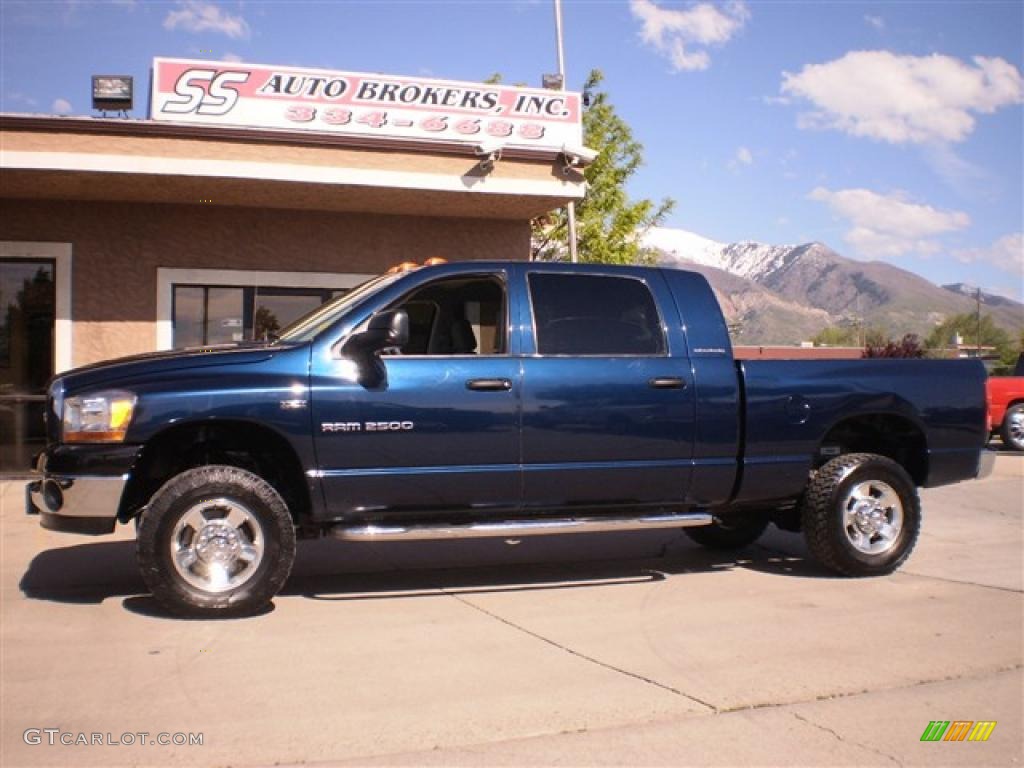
(517, 528)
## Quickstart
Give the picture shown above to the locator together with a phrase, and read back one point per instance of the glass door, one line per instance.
(27, 322)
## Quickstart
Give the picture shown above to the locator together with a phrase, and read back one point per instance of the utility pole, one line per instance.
(861, 340)
(570, 208)
(977, 318)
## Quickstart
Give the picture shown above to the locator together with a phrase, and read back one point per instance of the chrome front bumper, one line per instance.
(76, 504)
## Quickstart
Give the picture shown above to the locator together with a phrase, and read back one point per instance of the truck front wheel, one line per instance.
(861, 515)
(215, 541)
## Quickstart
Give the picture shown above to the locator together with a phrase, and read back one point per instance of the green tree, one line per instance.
(836, 336)
(609, 226)
(972, 333)
(852, 335)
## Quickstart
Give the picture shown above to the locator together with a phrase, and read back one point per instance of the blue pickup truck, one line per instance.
(494, 399)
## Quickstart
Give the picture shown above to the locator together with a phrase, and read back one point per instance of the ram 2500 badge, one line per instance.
(497, 399)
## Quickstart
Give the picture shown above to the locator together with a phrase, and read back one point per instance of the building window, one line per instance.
(198, 307)
(220, 314)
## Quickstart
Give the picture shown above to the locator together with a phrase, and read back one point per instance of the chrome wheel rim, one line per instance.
(217, 545)
(872, 517)
(1016, 421)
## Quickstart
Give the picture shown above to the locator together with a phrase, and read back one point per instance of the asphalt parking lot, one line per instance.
(628, 649)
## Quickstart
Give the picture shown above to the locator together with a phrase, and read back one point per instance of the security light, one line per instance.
(553, 82)
(112, 92)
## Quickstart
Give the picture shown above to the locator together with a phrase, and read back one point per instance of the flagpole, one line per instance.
(570, 208)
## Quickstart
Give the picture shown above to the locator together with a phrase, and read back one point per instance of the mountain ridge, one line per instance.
(791, 292)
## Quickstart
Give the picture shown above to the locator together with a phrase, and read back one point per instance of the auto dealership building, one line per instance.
(250, 195)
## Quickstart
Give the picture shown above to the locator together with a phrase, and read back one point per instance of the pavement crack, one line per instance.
(839, 737)
(961, 581)
(869, 691)
(554, 643)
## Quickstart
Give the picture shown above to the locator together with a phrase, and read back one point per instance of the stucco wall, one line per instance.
(117, 247)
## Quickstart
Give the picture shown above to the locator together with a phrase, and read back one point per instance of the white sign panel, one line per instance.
(349, 103)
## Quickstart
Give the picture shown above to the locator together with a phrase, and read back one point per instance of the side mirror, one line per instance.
(385, 329)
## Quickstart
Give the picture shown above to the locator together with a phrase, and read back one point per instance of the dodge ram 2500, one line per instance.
(496, 399)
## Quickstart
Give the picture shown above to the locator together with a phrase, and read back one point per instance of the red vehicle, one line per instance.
(1005, 396)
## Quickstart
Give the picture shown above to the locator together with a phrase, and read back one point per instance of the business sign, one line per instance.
(355, 104)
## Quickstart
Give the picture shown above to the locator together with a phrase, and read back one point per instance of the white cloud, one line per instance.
(233, 57)
(874, 21)
(201, 16)
(61, 107)
(888, 226)
(963, 176)
(898, 99)
(742, 156)
(1006, 253)
(675, 33)
(22, 98)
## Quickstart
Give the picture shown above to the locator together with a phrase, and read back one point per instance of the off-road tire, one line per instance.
(1012, 442)
(183, 493)
(734, 533)
(823, 518)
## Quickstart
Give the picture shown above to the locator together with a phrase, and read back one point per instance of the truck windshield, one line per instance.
(308, 326)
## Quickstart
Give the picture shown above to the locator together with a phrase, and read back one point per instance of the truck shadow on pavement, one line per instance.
(340, 571)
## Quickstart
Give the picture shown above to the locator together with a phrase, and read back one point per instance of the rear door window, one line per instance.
(595, 315)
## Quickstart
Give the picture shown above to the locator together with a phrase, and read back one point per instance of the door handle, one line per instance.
(666, 382)
(489, 385)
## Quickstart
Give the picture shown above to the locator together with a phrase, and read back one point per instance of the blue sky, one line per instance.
(888, 130)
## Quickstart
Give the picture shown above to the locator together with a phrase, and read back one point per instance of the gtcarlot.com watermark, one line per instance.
(56, 737)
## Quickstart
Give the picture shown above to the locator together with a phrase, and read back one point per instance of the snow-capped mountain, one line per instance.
(789, 292)
(987, 299)
(750, 260)
(685, 246)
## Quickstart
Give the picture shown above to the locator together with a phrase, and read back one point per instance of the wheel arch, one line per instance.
(892, 435)
(246, 445)
(1012, 403)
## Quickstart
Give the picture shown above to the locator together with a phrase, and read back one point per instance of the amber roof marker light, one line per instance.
(405, 266)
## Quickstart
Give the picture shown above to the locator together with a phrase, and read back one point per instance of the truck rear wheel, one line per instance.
(216, 541)
(1012, 428)
(732, 533)
(861, 515)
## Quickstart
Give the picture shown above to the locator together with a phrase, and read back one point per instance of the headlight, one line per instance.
(102, 417)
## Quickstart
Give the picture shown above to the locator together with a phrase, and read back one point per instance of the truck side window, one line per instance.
(456, 316)
(594, 315)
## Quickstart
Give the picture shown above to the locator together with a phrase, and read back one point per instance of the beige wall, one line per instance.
(138, 161)
(168, 148)
(117, 247)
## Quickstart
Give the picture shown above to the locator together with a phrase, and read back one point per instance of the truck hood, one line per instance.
(154, 364)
